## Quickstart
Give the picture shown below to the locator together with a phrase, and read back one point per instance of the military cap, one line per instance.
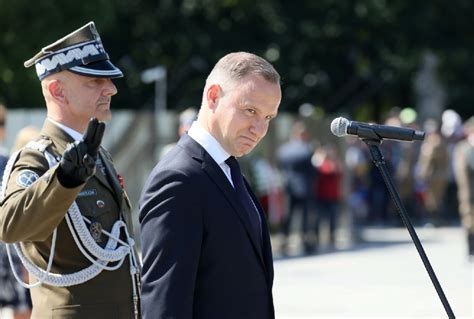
(80, 52)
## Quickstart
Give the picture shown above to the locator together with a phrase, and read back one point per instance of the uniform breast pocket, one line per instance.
(94, 206)
(100, 210)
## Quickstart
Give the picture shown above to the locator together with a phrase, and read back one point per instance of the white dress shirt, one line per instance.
(212, 146)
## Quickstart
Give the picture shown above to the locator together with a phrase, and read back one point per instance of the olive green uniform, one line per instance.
(30, 215)
(434, 170)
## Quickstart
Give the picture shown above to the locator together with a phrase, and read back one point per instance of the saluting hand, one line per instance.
(78, 162)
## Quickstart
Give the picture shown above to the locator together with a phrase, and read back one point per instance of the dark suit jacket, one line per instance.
(200, 259)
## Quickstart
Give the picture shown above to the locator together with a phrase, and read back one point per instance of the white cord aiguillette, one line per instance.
(98, 256)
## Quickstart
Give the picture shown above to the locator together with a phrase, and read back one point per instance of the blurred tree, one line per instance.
(355, 56)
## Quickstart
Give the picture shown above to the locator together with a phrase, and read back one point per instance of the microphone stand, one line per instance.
(378, 159)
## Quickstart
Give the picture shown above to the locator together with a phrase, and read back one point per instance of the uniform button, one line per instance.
(100, 203)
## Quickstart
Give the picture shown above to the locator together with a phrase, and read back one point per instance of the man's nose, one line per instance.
(259, 127)
(110, 89)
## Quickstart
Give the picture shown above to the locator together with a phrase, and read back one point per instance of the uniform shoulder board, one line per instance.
(39, 145)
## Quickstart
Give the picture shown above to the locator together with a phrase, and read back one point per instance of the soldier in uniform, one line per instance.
(433, 170)
(63, 206)
(464, 174)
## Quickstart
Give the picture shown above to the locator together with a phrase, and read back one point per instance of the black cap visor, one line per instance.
(99, 69)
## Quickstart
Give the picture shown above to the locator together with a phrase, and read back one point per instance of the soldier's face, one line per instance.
(89, 97)
(241, 115)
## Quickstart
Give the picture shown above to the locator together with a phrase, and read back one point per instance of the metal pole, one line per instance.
(379, 161)
(158, 75)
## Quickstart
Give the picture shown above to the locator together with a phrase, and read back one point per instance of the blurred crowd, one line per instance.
(311, 183)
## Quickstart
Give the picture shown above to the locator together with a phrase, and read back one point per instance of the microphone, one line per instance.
(341, 127)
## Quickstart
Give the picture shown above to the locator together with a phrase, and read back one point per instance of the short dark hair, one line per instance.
(237, 65)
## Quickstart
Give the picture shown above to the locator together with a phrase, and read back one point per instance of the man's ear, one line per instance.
(213, 95)
(56, 90)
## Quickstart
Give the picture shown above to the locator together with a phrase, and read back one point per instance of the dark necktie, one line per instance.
(244, 197)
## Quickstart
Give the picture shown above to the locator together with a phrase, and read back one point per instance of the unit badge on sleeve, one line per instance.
(26, 178)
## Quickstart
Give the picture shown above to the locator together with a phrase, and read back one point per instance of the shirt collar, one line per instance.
(76, 136)
(208, 142)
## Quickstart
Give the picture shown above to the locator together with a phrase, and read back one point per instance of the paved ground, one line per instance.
(382, 277)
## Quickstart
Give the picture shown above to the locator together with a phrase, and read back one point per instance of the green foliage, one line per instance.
(340, 55)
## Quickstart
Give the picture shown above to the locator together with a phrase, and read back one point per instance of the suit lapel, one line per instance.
(60, 138)
(267, 247)
(112, 181)
(216, 174)
(101, 177)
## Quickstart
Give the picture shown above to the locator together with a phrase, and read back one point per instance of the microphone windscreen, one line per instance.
(339, 126)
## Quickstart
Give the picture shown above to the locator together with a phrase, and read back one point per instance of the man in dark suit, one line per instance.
(205, 242)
